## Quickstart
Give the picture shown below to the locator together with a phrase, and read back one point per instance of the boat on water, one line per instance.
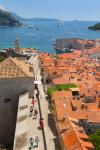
(33, 27)
(37, 28)
(30, 27)
(61, 24)
(12, 44)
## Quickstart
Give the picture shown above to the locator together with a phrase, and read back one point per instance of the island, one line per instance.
(95, 27)
(6, 19)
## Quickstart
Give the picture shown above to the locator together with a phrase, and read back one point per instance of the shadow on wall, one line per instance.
(52, 126)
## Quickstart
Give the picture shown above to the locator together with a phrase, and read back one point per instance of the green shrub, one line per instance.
(60, 87)
(2, 58)
(95, 139)
(66, 86)
(51, 90)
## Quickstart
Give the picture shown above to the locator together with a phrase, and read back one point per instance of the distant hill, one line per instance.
(16, 16)
(95, 27)
(7, 19)
(34, 19)
(44, 19)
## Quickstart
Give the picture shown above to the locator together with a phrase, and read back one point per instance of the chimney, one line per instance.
(99, 104)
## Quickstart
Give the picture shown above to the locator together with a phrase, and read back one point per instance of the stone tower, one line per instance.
(17, 48)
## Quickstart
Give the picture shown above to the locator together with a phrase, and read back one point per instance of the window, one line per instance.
(75, 93)
(78, 79)
(7, 100)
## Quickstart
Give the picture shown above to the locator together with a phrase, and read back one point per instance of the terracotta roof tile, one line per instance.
(70, 133)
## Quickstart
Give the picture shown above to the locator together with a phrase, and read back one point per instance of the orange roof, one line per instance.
(82, 135)
(94, 50)
(69, 132)
(94, 116)
(62, 80)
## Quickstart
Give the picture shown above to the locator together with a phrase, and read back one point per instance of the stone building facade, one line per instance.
(15, 79)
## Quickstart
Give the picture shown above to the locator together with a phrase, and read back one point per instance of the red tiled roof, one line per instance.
(69, 132)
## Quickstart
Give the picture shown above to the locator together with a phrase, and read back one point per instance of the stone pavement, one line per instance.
(33, 125)
(49, 134)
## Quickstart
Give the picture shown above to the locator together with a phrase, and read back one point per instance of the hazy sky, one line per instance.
(60, 9)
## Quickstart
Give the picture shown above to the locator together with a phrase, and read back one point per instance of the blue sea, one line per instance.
(43, 33)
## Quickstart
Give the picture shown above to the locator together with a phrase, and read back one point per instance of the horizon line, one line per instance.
(59, 19)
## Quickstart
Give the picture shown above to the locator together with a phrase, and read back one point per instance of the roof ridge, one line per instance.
(18, 65)
(14, 68)
(75, 130)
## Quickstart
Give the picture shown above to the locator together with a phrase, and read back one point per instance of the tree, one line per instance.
(2, 58)
(95, 27)
(6, 19)
(95, 139)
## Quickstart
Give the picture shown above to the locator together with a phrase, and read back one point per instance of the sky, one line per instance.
(58, 9)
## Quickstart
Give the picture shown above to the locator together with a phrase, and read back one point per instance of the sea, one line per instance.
(42, 33)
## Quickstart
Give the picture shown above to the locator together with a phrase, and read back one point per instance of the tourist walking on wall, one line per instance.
(31, 111)
(31, 142)
(41, 123)
(36, 141)
(37, 95)
(35, 113)
(33, 102)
